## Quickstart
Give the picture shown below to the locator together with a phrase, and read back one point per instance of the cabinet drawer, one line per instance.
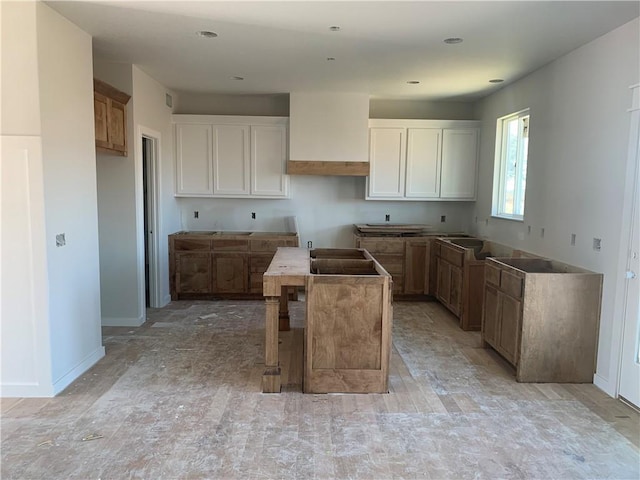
(192, 244)
(271, 244)
(511, 284)
(451, 255)
(492, 274)
(382, 246)
(230, 245)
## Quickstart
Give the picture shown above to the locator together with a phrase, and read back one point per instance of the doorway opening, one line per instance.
(150, 142)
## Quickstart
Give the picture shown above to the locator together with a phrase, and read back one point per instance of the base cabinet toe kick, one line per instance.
(347, 320)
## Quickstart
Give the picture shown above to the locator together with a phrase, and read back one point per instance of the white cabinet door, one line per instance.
(423, 163)
(459, 161)
(387, 156)
(231, 160)
(194, 174)
(268, 161)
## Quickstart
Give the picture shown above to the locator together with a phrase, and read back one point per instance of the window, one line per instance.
(510, 177)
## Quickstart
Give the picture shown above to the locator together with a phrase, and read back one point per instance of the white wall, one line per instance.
(68, 146)
(120, 296)
(577, 160)
(218, 104)
(50, 324)
(326, 208)
(151, 112)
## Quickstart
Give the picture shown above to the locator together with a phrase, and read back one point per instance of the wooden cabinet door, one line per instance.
(387, 157)
(416, 267)
(193, 272)
(268, 161)
(459, 163)
(443, 288)
(231, 171)
(490, 316)
(423, 162)
(510, 327)
(117, 126)
(100, 109)
(194, 167)
(455, 290)
(230, 273)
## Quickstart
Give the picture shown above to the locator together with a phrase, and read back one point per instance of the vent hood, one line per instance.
(328, 134)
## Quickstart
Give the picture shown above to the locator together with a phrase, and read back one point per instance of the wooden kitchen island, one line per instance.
(347, 324)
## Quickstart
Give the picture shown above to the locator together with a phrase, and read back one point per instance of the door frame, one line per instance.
(622, 284)
(154, 217)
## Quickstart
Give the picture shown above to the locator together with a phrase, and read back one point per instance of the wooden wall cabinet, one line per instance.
(231, 156)
(207, 264)
(542, 316)
(422, 160)
(110, 118)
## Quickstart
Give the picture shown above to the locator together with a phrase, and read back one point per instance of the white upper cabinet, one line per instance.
(231, 156)
(268, 155)
(422, 159)
(194, 167)
(459, 155)
(387, 162)
(231, 173)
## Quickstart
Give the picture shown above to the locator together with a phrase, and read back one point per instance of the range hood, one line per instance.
(328, 134)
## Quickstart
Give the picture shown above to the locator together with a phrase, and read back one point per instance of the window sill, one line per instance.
(506, 217)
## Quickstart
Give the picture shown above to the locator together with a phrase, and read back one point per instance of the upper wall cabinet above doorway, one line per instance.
(110, 118)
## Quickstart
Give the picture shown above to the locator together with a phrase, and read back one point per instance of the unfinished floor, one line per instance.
(180, 397)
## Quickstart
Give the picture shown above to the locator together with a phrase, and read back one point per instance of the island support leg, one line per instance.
(284, 310)
(271, 376)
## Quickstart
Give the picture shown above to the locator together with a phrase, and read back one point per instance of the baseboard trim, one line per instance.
(122, 322)
(88, 362)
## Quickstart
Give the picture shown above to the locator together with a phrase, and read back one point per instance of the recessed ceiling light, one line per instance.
(238, 78)
(334, 28)
(207, 34)
(413, 82)
(496, 80)
(331, 59)
(453, 40)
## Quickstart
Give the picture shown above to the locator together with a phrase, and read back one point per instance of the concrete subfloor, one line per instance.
(179, 397)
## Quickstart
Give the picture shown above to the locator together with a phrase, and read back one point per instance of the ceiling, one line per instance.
(280, 47)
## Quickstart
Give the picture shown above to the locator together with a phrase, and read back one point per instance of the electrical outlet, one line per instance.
(573, 239)
(309, 244)
(443, 218)
(60, 240)
(196, 214)
(529, 230)
(597, 244)
(387, 218)
(253, 215)
(542, 232)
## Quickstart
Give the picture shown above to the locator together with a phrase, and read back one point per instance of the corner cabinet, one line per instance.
(422, 159)
(231, 157)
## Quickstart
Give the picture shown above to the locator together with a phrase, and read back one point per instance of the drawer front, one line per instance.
(271, 244)
(192, 244)
(492, 274)
(451, 255)
(511, 284)
(374, 246)
(230, 245)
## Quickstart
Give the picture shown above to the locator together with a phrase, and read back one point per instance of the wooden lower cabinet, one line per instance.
(203, 265)
(542, 316)
(193, 272)
(449, 288)
(230, 273)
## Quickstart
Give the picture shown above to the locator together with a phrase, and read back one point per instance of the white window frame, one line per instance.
(500, 167)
